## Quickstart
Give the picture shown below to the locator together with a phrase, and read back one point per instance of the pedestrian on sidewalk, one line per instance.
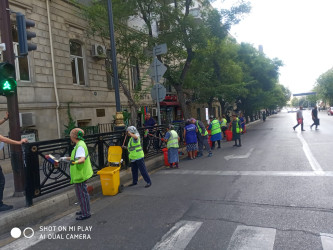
(3, 206)
(202, 135)
(299, 118)
(136, 156)
(190, 135)
(215, 131)
(314, 114)
(236, 129)
(80, 172)
(172, 139)
(242, 121)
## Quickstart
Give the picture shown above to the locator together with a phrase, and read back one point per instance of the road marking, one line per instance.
(326, 241)
(178, 236)
(312, 160)
(249, 238)
(252, 173)
(24, 243)
(229, 157)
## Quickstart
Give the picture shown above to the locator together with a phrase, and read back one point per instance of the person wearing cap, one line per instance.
(215, 131)
(80, 172)
(172, 139)
(236, 129)
(136, 156)
(299, 118)
(202, 135)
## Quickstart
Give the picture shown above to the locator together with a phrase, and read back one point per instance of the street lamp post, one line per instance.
(119, 115)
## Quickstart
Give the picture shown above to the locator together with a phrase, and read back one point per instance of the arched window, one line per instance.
(77, 62)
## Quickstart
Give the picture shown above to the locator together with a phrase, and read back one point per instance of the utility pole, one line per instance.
(12, 102)
(119, 115)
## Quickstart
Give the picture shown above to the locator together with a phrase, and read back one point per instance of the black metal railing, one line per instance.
(44, 177)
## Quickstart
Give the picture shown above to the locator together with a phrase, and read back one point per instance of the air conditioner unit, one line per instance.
(154, 112)
(27, 119)
(99, 51)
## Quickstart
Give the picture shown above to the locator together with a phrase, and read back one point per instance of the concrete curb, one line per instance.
(58, 204)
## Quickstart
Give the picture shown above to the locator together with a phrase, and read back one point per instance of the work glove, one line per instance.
(63, 158)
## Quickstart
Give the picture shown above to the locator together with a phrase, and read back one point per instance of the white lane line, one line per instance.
(249, 238)
(251, 173)
(179, 236)
(24, 243)
(326, 241)
(312, 160)
(229, 157)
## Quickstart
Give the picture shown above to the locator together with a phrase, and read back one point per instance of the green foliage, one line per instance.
(324, 86)
(71, 123)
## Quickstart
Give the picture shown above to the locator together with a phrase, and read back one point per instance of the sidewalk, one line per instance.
(49, 206)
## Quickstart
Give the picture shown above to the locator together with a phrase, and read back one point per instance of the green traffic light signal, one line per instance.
(7, 79)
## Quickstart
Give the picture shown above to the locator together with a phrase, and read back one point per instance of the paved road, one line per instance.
(275, 192)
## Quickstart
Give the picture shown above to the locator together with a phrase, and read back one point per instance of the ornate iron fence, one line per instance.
(43, 177)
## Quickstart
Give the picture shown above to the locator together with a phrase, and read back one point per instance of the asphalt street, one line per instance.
(274, 192)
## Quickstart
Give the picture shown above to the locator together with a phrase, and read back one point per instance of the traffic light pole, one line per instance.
(12, 101)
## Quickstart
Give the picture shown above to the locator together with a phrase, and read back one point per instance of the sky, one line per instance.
(298, 32)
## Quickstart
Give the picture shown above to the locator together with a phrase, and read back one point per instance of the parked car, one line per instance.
(330, 111)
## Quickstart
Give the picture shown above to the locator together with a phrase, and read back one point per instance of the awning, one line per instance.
(169, 104)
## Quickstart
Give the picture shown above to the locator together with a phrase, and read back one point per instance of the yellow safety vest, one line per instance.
(215, 127)
(224, 122)
(200, 130)
(173, 140)
(135, 149)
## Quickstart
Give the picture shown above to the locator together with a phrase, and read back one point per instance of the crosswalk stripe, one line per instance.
(249, 238)
(326, 241)
(178, 236)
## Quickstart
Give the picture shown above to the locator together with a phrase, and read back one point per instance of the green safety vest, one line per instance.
(224, 122)
(80, 172)
(215, 127)
(238, 129)
(200, 130)
(173, 140)
(135, 149)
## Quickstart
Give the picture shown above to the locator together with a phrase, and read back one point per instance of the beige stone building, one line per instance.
(67, 68)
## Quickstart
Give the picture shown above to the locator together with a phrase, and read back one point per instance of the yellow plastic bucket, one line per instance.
(110, 180)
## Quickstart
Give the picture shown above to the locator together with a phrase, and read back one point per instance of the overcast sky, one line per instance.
(298, 32)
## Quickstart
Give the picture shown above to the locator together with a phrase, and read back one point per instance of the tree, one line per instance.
(178, 28)
(324, 86)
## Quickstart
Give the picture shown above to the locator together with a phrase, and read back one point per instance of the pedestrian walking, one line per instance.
(80, 172)
(190, 135)
(172, 139)
(314, 114)
(236, 129)
(299, 118)
(224, 125)
(136, 156)
(215, 129)
(3, 206)
(264, 116)
(202, 135)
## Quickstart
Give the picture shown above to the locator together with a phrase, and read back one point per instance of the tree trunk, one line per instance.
(133, 106)
(181, 99)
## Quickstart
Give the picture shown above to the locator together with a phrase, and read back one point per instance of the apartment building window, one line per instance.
(108, 69)
(135, 74)
(22, 68)
(77, 61)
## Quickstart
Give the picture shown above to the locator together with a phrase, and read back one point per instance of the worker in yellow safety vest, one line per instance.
(172, 139)
(224, 125)
(202, 135)
(215, 131)
(236, 130)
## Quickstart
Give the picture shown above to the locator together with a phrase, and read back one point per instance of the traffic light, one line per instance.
(24, 35)
(7, 79)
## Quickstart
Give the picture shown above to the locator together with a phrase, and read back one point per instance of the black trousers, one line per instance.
(2, 185)
(298, 125)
